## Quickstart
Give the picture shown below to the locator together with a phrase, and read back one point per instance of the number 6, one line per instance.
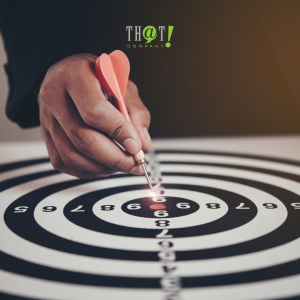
(183, 205)
(134, 206)
(161, 213)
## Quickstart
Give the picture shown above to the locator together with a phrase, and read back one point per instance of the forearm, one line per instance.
(36, 35)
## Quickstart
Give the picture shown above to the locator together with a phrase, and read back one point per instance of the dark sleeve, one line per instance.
(36, 35)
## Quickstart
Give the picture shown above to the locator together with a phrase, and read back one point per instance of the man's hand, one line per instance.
(77, 118)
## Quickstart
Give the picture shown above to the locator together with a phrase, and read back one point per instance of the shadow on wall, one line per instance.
(8, 130)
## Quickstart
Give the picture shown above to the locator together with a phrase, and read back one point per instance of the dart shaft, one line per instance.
(140, 158)
(147, 177)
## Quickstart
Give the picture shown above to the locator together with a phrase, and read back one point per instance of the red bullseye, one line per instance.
(157, 206)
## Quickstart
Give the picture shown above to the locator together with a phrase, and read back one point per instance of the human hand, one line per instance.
(77, 120)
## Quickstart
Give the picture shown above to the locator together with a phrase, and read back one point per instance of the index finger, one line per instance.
(139, 114)
(97, 112)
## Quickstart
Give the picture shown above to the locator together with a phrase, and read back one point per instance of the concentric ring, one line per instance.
(277, 183)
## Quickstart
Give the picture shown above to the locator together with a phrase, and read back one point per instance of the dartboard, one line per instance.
(221, 225)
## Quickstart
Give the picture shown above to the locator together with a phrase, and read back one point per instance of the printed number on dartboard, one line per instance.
(269, 205)
(107, 207)
(162, 223)
(213, 205)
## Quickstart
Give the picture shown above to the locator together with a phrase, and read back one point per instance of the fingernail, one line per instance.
(101, 175)
(147, 135)
(131, 146)
(138, 170)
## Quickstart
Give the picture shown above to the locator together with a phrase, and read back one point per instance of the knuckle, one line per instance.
(83, 141)
(143, 114)
(52, 125)
(69, 159)
(45, 93)
(146, 114)
(120, 165)
(132, 86)
(67, 68)
(92, 114)
(107, 171)
(57, 163)
(117, 132)
(84, 175)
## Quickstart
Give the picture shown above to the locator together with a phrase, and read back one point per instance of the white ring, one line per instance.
(17, 192)
(56, 222)
(41, 289)
(228, 160)
(201, 216)
(28, 170)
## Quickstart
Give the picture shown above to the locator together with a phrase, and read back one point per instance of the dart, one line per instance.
(113, 72)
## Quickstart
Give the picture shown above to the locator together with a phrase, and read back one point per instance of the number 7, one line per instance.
(163, 234)
(241, 206)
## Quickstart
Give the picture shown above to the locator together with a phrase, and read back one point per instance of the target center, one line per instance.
(160, 207)
(133, 209)
(157, 206)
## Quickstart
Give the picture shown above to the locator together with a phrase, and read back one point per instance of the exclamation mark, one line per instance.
(168, 44)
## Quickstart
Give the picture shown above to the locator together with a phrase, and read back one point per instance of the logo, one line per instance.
(152, 36)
